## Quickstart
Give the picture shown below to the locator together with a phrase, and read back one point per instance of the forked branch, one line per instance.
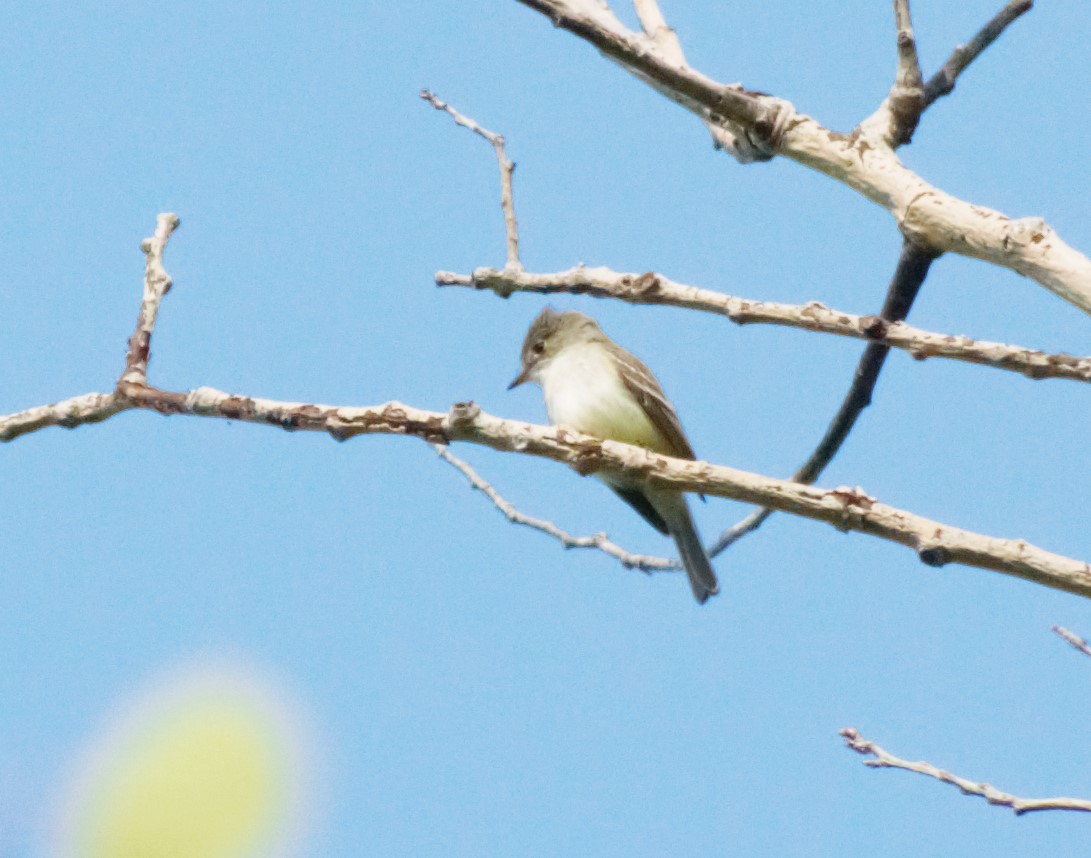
(507, 169)
(847, 509)
(864, 161)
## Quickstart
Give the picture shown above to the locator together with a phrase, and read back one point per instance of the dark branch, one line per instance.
(913, 265)
(1074, 640)
(943, 82)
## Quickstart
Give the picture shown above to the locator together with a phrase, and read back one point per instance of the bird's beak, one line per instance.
(521, 378)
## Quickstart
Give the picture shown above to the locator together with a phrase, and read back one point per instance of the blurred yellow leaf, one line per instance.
(204, 772)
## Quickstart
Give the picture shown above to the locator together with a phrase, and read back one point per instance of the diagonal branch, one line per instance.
(645, 563)
(655, 289)
(884, 759)
(657, 29)
(1073, 639)
(750, 118)
(909, 275)
(943, 82)
(897, 117)
(507, 168)
(863, 161)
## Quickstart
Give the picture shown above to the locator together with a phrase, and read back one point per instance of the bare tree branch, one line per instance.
(656, 289)
(943, 82)
(157, 283)
(643, 57)
(1075, 640)
(909, 276)
(69, 413)
(96, 407)
(847, 509)
(864, 160)
(507, 168)
(657, 29)
(645, 563)
(884, 759)
(906, 98)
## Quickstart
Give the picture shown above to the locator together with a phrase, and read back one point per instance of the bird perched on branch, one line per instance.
(594, 386)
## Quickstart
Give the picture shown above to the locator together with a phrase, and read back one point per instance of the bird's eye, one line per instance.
(538, 347)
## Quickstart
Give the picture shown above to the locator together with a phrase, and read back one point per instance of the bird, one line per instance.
(595, 387)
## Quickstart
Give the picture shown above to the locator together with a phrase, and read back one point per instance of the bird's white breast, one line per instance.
(583, 391)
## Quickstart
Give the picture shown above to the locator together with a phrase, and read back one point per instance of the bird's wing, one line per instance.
(640, 382)
(639, 501)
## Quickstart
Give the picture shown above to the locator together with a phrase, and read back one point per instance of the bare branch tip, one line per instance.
(981, 789)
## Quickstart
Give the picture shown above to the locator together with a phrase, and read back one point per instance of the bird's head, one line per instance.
(548, 334)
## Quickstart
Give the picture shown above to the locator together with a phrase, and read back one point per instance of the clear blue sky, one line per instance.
(472, 688)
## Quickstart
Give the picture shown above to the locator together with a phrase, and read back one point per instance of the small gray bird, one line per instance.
(592, 385)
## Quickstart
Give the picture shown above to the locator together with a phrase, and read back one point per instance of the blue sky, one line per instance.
(471, 688)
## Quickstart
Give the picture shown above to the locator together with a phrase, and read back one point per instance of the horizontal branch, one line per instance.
(643, 562)
(652, 288)
(69, 413)
(864, 161)
(847, 509)
(885, 760)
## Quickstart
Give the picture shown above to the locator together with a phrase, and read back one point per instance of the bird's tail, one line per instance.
(702, 577)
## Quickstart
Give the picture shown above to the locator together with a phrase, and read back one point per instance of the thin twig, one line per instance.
(909, 275)
(943, 82)
(507, 168)
(907, 95)
(1074, 639)
(656, 289)
(156, 284)
(643, 562)
(885, 760)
